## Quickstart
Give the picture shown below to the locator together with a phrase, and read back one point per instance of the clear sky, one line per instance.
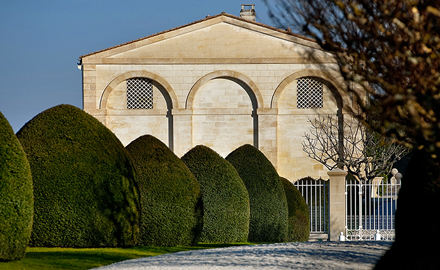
(41, 41)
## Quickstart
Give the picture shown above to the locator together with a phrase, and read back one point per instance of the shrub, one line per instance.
(267, 198)
(16, 198)
(225, 198)
(171, 206)
(299, 215)
(84, 187)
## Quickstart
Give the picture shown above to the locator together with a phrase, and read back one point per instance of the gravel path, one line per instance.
(309, 255)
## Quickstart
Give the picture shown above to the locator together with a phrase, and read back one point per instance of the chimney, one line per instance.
(247, 12)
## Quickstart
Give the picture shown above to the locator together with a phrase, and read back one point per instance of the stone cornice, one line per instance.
(194, 61)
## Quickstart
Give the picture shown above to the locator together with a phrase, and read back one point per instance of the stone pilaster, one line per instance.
(182, 119)
(267, 134)
(337, 203)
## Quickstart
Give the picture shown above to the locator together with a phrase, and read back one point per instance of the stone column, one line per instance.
(337, 203)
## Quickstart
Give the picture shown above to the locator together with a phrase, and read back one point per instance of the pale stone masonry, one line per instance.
(223, 81)
(337, 203)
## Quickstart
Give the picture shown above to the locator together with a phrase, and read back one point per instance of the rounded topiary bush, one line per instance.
(299, 215)
(16, 199)
(171, 206)
(84, 184)
(225, 198)
(267, 198)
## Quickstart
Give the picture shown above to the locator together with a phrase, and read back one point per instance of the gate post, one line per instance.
(337, 203)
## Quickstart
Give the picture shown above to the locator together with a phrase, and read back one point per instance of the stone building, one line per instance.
(222, 81)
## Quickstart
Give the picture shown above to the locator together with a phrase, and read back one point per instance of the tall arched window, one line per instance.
(309, 93)
(139, 93)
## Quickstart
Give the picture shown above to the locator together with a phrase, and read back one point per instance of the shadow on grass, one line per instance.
(87, 258)
(76, 259)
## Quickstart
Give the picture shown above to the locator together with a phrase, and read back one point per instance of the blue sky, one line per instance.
(40, 42)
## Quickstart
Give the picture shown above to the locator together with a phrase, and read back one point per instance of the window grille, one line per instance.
(309, 93)
(139, 93)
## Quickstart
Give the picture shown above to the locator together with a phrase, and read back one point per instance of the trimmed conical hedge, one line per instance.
(267, 198)
(16, 198)
(84, 183)
(299, 215)
(225, 198)
(171, 205)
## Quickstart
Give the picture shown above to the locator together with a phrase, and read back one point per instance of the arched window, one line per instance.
(309, 93)
(139, 93)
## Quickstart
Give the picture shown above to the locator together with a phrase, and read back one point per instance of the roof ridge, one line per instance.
(287, 31)
(196, 22)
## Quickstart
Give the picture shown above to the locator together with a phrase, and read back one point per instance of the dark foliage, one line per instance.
(267, 198)
(389, 50)
(171, 205)
(84, 187)
(420, 184)
(225, 198)
(299, 214)
(16, 198)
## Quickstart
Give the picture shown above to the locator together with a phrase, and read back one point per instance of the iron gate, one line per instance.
(370, 209)
(316, 194)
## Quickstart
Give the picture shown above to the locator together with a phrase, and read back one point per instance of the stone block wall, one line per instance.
(222, 82)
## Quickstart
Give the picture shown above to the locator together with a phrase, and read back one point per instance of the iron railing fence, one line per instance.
(370, 209)
(316, 194)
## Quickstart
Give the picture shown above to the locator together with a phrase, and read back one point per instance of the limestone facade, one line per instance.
(222, 82)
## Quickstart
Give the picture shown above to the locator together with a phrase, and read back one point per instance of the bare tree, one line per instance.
(389, 49)
(365, 154)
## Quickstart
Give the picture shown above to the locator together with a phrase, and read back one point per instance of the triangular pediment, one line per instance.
(219, 37)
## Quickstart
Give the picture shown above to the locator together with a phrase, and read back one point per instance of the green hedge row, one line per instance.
(225, 198)
(299, 214)
(268, 222)
(84, 182)
(16, 197)
(171, 206)
(87, 193)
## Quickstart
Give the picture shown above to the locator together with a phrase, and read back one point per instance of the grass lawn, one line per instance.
(87, 258)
